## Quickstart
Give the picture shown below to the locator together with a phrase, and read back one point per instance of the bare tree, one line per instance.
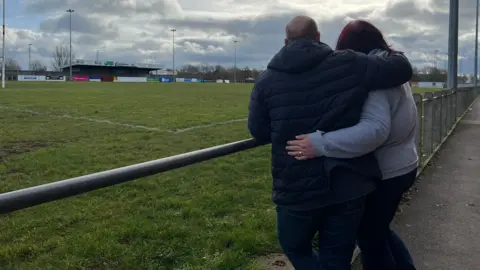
(61, 57)
(11, 64)
(38, 66)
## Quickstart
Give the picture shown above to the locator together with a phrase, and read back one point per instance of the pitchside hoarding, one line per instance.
(55, 78)
(167, 80)
(94, 79)
(80, 78)
(188, 80)
(130, 79)
(31, 78)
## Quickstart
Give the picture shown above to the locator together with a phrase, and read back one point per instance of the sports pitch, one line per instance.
(213, 215)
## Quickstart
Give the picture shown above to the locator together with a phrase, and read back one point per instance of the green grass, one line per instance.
(425, 90)
(213, 215)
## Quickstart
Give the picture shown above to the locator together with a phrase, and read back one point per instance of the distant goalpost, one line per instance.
(3, 46)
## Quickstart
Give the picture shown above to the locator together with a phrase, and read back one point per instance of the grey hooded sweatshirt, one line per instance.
(388, 125)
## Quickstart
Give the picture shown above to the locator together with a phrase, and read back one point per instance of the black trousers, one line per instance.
(336, 226)
(382, 248)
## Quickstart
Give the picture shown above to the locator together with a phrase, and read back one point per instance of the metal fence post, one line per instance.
(445, 126)
(418, 137)
(458, 103)
(455, 103)
(427, 124)
(437, 118)
(451, 108)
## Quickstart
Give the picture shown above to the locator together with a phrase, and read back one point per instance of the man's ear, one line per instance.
(286, 41)
(317, 36)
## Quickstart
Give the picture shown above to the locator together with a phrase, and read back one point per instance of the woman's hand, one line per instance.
(301, 148)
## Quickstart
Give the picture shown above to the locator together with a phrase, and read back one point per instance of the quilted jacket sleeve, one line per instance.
(385, 71)
(258, 116)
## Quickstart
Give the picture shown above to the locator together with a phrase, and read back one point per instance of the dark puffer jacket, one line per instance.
(307, 87)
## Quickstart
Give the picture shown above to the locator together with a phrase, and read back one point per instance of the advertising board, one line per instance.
(80, 78)
(94, 78)
(190, 80)
(31, 78)
(130, 79)
(430, 84)
(167, 80)
(55, 78)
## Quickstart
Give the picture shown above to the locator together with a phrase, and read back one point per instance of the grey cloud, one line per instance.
(80, 23)
(264, 25)
(89, 40)
(204, 42)
(260, 36)
(117, 7)
(407, 10)
(148, 44)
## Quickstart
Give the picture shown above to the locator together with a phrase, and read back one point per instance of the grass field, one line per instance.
(213, 215)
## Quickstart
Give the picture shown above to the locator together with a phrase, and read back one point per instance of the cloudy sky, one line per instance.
(138, 30)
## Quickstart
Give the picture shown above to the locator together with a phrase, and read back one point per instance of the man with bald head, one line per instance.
(308, 87)
(302, 27)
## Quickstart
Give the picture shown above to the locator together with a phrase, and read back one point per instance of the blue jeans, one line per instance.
(382, 248)
(336, 226)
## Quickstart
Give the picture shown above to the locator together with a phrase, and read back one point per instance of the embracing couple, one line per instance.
(342, 124)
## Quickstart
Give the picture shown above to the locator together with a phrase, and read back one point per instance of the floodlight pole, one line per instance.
(3, 46)
(235, 61)
(70, 11)
(30, 58)
(453, 45)
(475, 79)
(173, 54)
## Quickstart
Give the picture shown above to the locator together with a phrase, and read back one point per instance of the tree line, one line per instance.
(432, 74)
(215, 72)
(13, 65)
(60, 58)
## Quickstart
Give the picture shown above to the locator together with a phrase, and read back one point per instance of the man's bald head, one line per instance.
(302, 27)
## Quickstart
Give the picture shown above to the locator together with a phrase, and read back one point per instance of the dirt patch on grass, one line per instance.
(20, 147)
(275, 261)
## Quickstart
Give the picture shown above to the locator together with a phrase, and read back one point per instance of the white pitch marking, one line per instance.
(87, 119)
(100, 121)
(210, 125)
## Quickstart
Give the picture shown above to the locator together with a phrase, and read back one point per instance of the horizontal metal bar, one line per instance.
(27, 197)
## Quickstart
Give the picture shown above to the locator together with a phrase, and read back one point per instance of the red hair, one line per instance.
(362, 36)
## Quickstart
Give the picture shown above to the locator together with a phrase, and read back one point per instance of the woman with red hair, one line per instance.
(387, 127)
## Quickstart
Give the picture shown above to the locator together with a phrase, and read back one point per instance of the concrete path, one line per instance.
(441, 224)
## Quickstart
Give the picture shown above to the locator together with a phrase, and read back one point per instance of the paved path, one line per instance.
(441, 226)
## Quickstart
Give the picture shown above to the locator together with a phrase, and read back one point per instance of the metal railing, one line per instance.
(438, 114)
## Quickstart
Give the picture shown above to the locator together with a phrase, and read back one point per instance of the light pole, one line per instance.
(3, 47)
(435, 58)
(475, 81)
(97, 55)
(30, 57)
(70, 11)
(453, 45)
(235, 61)
(173, 54)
